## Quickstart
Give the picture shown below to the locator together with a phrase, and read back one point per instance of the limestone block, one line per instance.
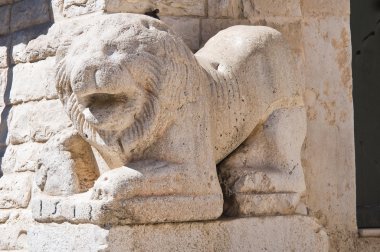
(210, 27)
(187, 28)
(4, 45)
(71, 8)
(29, 13)
(166, 7)
(5, 12)
(21, 39)
(15, 190)
(33, 81)
(20, 158)
(3, 85)
(294, 233)
(330, 121)
(325, 8)
(272, 8)
(36, 121)
(13, 233)
(32, 46)
(225, 8)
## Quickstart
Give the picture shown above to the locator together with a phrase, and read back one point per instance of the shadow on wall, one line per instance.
(20, 22)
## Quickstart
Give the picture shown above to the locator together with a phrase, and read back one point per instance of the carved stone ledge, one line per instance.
(281, 233)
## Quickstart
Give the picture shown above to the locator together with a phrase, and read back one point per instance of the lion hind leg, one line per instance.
(264, 176)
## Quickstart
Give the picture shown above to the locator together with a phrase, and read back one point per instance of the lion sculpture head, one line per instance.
(121, 81)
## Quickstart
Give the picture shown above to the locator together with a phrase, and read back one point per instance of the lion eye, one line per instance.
(110, 49)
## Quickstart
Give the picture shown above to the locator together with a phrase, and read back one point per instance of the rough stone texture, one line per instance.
(20, 40)
(4, 45)
(14, 231)
(4, 2)
(71, 8)
(20, 158)
(125, 116)
(36, 121)
(325, 8)
(272, 8)
(210, 27)
(33, 81)
(329, 105)
(29, 13)
(187, 28)
(166, 7)
(5, 13)
(251, 234)
(3, 85)
(15, 190)
(223, 8)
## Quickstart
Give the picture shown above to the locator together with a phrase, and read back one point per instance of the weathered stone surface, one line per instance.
(290, 28)
(109, 90)
(31, 47)
(251, 234)
(223, 8)
(325, 8)
(210, 27)
(73, 8)
(15, 190)
(166, 7)
(33, 81)
(4, 45)
(20, 40)
(187, 28)
(330, 121)
(15, 230)
(5, 12)
(272, 8)
(20, 158)
(67, 165)
(29, 13)
(36, 121)
(3, 85)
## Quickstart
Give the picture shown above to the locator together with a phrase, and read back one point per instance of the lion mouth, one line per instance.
(107, 111)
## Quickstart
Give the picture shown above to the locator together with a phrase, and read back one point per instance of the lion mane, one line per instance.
(162, 68)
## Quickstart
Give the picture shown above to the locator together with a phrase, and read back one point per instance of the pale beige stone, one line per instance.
(36, 121)
(20, 158)
(330, 121)
(3, 86)
(187, 28)
(15, 190)
(71, 8)
(123, 105)
(251, 234)
(225, 8)
(166, 7)
(325, 8)
(272, 8)
(67, 165)
(4, 45)
(13, 233)
(33, 81)
(210, 27)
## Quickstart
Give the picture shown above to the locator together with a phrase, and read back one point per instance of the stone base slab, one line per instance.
(280, 233)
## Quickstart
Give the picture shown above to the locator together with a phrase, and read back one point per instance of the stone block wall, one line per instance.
(317, 30)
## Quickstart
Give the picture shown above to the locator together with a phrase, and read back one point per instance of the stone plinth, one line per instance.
(282, 233)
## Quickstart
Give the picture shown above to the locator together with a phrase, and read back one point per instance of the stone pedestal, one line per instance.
(281, 233)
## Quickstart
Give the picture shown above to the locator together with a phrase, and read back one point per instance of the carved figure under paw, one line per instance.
(162, 117)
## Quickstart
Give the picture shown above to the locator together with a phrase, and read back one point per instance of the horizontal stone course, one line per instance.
(28, 13)
(15, 190)
(292, 233)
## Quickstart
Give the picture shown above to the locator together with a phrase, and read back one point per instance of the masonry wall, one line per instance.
(317, 30)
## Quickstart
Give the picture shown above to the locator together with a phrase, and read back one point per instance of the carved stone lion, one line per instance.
(163, 118)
